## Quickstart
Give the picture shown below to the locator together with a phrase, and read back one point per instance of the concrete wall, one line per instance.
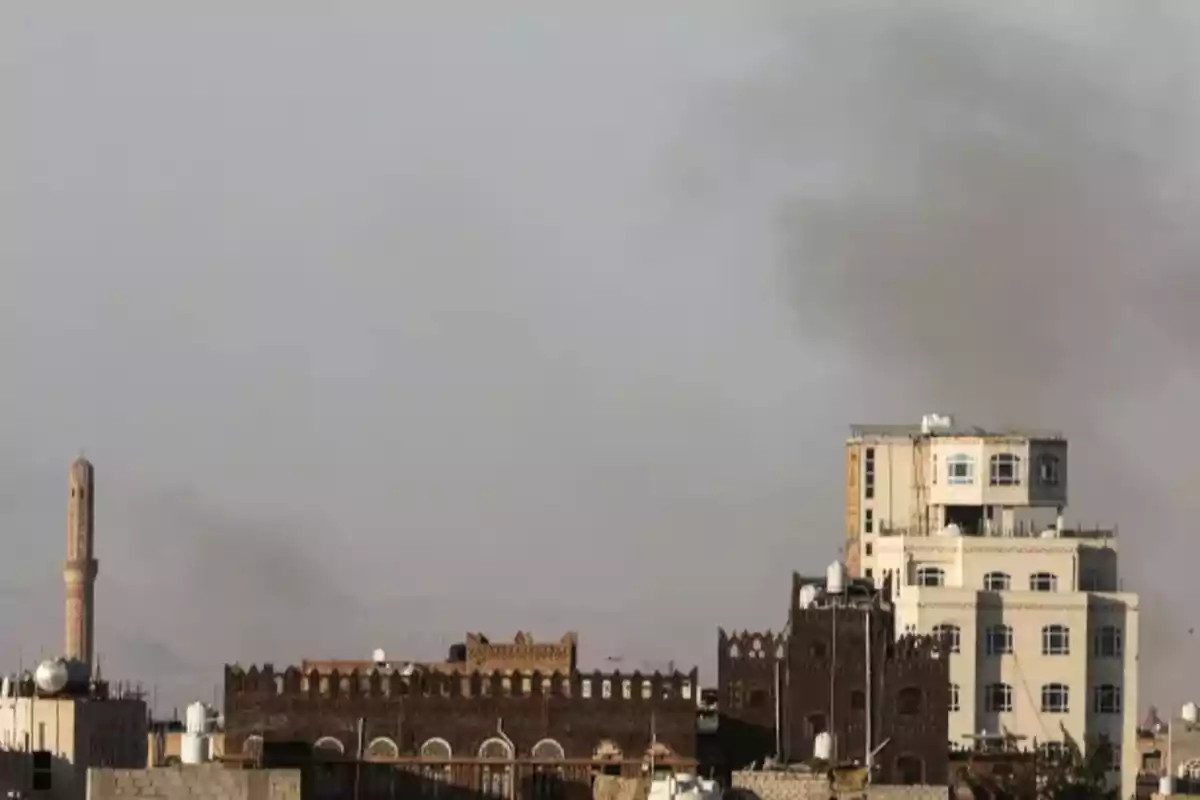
(805, 786)
(194, 782)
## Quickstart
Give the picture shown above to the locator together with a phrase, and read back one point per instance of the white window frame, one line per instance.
(1002, 633)
(997, 582)
(952, 632)
(926, 571)
(1106, 699)
(1108, 642)
(1048, 469)
(1002, 463)
(966, 475)
(1005, 695)
(1052, 692)
(1038, 579)
(1056, 640)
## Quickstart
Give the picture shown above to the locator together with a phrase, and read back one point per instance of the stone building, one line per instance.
(780, 691)
(458, 726)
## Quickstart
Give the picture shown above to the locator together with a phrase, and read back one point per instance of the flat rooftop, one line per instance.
(916, 431)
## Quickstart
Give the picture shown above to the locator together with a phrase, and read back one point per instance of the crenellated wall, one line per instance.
(580, 713)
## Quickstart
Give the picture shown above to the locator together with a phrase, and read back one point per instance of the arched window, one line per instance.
(997, 582)
(1106, 699)
(382, 749)
(1107, 642)
(960, 469)
(548, 750)
(908, 701)
(949, 635)
(252, 747)
(999, 640)
(1043, 582)
(1048, 470)
(328, 747)
(954, 697)
(1056, 640)
(928, 575)
(1005, 470)
(997, 697)
(496, 777)
(1056, 699)
(910, 771)
(437, 751)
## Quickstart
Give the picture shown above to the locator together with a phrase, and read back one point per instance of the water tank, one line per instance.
(192, 747)
(808, 595)
(936, 422)
(378, 656)
(458, 653)
(1166, 785)
(196, 718)
(835, 578)
(51, 677)
(1190, 713)
(823, 747)
(950, 530)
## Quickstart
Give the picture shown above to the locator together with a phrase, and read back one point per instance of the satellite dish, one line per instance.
(51, 676)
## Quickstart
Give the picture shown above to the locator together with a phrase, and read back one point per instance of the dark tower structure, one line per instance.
(81, 567)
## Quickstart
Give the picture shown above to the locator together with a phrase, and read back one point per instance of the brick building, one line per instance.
(815, 678)
(458, 726)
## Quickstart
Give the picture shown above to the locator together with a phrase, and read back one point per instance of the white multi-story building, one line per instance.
(967, 527)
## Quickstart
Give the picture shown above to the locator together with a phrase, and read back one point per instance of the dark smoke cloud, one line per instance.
(995, 214)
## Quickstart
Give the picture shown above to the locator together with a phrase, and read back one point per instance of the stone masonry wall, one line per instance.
(804, 786)
(193, 782)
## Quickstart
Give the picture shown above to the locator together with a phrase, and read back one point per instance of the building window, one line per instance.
(1107, 643)
(870, 550)
(870, 573)
(858, 700)
(999, 640)
(908, 701)
(960, 469)
(1056, 640)
(1043, 582)
(997, 697)
(950, 635)
(1005, 470)
(954, 697)
(1106, 699)
(934, 471)
(868, 522)
(1056, 699)
(869, 473)
(585, 689)
(996, 582)
(930, 576)
(910, 630)
(1048, 470)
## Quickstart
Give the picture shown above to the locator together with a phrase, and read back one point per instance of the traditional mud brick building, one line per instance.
(780, 690)
(458, 726)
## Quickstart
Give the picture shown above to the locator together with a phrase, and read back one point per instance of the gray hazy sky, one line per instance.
(392, 321)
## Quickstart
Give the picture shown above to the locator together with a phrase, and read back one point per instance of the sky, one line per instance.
(385, 322)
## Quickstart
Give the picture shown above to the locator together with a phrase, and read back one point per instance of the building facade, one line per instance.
(966, 528)
(76, 732)
(472, 730)
(837, 669)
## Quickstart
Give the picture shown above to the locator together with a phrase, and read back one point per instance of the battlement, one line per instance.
(259, 682)
(752, 645)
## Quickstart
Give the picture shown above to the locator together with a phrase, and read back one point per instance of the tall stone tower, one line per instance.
(79, 572)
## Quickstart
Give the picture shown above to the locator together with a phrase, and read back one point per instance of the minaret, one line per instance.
(79, 572)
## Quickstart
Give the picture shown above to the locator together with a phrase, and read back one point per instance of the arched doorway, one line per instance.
(496, 771)
(437, 772)
(327, 778)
